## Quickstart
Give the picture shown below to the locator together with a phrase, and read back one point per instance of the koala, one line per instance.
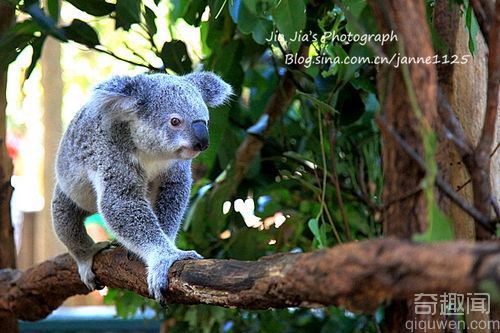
(127, 155)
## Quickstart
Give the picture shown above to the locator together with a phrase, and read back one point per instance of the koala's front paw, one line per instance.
(158, 272)
(84, 263)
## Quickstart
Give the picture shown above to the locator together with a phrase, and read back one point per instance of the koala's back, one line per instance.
(82, 151)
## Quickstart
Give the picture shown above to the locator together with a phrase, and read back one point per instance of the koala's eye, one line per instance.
(175, 121)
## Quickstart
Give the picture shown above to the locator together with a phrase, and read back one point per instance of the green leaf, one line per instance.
(472, 27)
(216, 7)
(322, 106)
(249, 21)
(439, 229)
(15, 40)
(12, 47)
(355, 7)
(290, 18)
(179, 8)
(37, 45)
(82, 33)
(149, 18)
(194, 11)
(175, 57)
(53, 9)
(128, 12)
(28, 27)
(314, 227)
(225, 61)
(262, 30)
(94, 7)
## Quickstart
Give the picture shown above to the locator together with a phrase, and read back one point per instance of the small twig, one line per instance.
(404, 196)
(335, 178)
(330, 221)
(495, 206)
(350, 191)
(460, 187)
(453, 125)
(323, 182)
(490, 117)
(102, 50)
(134, 52)
(440, 183)
(149, 37)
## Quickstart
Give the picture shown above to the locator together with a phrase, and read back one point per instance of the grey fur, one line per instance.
(122, 157)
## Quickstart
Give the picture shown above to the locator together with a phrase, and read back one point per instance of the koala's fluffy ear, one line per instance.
(117, 97)
(212, 88)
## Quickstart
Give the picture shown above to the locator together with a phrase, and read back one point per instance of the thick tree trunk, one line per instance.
(8, 323)
(359, 276)
(464, 86)
(407, 213)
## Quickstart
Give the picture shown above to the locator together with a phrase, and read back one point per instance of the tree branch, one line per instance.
(484, 10)
(480, 163)
(358, 276)
(480, 218)
(453, 127)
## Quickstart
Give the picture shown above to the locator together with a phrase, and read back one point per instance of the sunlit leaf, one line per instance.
(82, 33)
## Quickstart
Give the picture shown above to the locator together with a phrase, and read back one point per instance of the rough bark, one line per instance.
(8, 323)
(407, 216)
(407, 213)
(463, 88)
(481, 161)
(485, 12)
(358, 276)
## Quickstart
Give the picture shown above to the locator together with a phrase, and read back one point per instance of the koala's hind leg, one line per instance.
(67, 219)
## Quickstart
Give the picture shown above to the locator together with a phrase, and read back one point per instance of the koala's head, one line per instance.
(168, 114)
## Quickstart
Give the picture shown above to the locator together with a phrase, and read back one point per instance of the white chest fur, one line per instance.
(152, 165)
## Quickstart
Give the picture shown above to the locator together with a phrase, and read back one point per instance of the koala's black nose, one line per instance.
(200, 133)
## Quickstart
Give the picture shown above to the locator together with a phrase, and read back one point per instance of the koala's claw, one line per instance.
(84, 264)
(186, 255)
(158, 273)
